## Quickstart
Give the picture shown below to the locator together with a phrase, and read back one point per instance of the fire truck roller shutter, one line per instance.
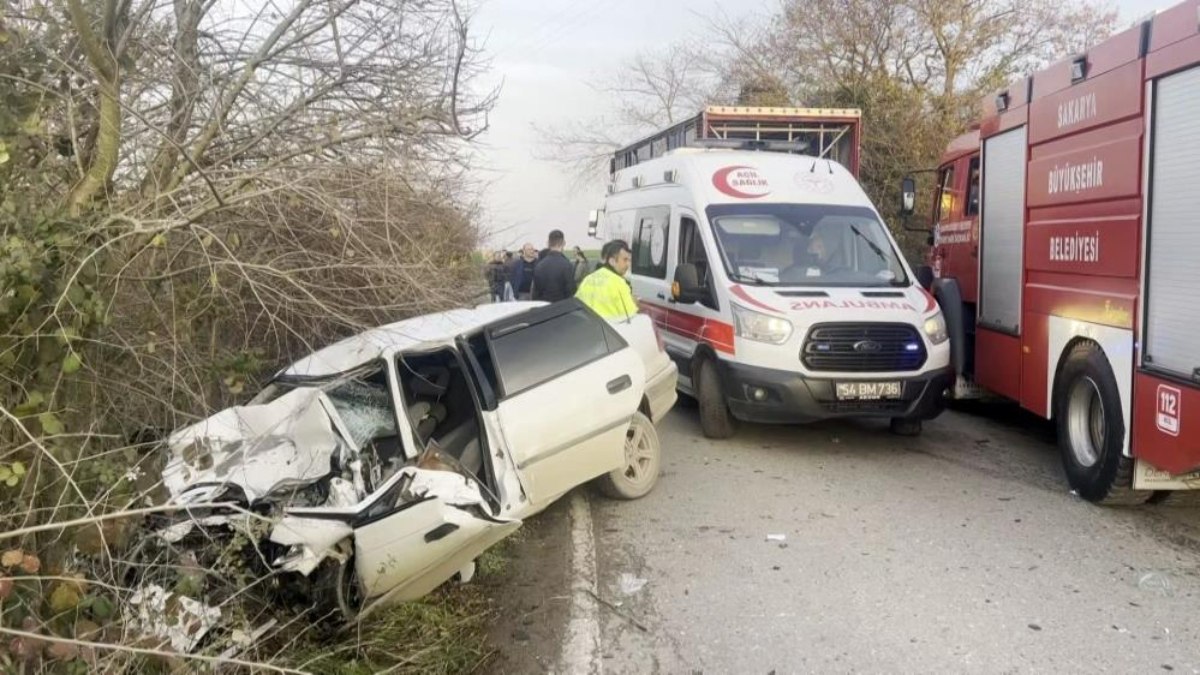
(1173, 285)
(1002, 231)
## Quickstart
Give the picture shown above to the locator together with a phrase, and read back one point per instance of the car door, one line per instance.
(568, 385)
(406, 546)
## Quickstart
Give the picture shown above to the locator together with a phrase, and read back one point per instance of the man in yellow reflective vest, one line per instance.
(606, 291)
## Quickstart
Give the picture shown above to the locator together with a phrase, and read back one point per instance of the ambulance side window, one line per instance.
(973, 188)
(691, 250)
(650, 242)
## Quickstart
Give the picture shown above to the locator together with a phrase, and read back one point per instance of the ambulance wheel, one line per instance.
(643, 459)
(904, 426)
(1091, 430)
(715, 418)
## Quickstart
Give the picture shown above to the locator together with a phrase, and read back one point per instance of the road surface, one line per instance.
(841, 548)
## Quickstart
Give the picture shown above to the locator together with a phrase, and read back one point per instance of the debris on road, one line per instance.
(776, 537)
(631, 584)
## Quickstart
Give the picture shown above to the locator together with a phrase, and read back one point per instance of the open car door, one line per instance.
(567, 388)
(413, 534)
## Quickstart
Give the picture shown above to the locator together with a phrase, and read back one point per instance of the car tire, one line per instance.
(643, 461)
(905, 426)
(336, 595)
(715, 418)
(1091, 430)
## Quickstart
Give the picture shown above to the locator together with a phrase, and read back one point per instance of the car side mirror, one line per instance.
(925, 276)
(908, 196)
(593, 223)
(687, 288)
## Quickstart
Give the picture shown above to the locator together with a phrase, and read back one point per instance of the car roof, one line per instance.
(416, 334)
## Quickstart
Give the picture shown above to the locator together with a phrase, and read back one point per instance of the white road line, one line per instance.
(581, 652)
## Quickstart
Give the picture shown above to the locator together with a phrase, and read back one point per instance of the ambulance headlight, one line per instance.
(760, 327)
(935, 328)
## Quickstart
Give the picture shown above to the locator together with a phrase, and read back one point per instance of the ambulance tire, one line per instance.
(905, 426)
(1091, 430)
(715, 419)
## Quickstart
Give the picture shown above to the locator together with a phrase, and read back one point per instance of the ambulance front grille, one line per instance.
(863, 348)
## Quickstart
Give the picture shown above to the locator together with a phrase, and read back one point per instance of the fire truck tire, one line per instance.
(1091, 429)
(715, 419)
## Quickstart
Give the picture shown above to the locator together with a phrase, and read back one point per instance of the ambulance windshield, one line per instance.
(805, 245)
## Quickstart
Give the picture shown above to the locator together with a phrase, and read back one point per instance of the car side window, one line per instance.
(973, 188)
(650, 242)
(527, 354)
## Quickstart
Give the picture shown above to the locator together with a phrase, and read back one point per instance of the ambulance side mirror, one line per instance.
(908, 196)
(687, 288)
(593, 223)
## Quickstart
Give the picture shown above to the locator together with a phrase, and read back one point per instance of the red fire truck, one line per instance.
(1066, 256)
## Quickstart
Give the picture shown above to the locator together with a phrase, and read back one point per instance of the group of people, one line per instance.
(549, 276)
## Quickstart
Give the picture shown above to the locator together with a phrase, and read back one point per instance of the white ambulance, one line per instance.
(779, 292)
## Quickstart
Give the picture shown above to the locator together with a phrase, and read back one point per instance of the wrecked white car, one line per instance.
(388, 462)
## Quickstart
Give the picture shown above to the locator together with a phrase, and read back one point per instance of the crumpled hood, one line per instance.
(806, 306)
(289, 442)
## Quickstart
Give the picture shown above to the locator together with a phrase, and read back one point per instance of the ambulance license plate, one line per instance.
(867, 391)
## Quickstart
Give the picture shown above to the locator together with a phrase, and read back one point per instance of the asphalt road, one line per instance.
(841, 548)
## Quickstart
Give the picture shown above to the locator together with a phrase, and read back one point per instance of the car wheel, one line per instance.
(336, 593)
(1091, 430)
(643, 459)
(903, 426)
(715, 418)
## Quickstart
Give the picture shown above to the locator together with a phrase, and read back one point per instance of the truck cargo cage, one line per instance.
(832, 133)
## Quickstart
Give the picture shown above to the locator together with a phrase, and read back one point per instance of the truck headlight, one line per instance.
(935, 328)
(760, 327)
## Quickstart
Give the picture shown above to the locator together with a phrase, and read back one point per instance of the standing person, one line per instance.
(554, 276)
(520, 272)
(497, 276)
(581, 265)
(606, 290)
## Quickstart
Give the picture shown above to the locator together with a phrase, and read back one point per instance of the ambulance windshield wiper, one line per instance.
(749, 278)
(882, 256)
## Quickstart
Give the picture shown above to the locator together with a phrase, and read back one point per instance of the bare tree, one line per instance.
(649, 91)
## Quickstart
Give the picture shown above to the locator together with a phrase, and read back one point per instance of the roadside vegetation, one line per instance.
(194, 193)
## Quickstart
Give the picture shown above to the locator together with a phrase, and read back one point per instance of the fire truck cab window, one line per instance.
(945, 204)
(973, 188)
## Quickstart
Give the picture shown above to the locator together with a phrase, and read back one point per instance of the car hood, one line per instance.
(289, 442)
(812, 305)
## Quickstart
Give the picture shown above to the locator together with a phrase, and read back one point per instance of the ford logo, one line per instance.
(867, 346)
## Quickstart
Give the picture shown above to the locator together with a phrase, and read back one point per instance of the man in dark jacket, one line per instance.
(520, 271)
(554, 276)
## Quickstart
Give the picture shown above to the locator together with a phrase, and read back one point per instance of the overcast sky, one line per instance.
(547, 52)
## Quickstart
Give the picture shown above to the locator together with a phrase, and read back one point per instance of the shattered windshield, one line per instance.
(805, 245)
(360, 398)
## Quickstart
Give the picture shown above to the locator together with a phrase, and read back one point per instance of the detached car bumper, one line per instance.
(795, 398)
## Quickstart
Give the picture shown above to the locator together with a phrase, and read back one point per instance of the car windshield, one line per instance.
(360, 398)
(805, 245)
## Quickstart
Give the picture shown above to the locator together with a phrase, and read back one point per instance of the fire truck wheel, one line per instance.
(715, 418)
(1091, 429)
(902, 426)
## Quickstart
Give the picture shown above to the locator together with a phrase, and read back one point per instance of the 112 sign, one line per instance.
(1168, 409)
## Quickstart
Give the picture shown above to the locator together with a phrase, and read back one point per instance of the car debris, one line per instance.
(380, 467)
(183, 621)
